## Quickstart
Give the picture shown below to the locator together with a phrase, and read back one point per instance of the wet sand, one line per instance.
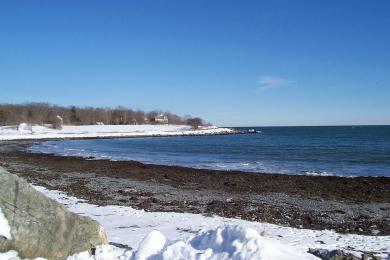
(348, 205)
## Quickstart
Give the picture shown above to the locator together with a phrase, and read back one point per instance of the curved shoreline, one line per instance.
(120, 134)
(349, 205)
(92, 157)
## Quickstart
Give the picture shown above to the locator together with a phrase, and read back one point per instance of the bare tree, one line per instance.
(3, 116)
(195, 122)
(41, 113)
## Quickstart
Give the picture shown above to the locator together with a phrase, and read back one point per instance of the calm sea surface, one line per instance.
(332, 150)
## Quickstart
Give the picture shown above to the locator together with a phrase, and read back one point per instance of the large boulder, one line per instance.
(41, 227)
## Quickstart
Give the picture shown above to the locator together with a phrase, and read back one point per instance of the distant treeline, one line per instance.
(44, 113)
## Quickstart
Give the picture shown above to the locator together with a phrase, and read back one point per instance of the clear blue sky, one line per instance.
(231, 62)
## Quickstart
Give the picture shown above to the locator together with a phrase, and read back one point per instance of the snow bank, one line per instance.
(5, 229)
(129, 226)
(229, 242)
(232, 242)
(24, 131)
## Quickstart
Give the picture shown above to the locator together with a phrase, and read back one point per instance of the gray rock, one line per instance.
(41, 227)
(332, 254)
(341, 255)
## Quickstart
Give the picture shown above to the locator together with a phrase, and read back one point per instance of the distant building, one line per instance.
(161, 119)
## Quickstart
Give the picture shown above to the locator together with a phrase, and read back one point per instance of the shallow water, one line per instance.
(332, 150)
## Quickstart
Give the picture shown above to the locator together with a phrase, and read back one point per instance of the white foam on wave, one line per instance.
(317, 173)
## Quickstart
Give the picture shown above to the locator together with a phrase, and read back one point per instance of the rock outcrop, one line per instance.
(337, 254)
(41, 227)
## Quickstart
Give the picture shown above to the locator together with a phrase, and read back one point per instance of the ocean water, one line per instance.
(331, 150)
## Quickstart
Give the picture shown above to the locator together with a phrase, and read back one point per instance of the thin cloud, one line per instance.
(269, 82)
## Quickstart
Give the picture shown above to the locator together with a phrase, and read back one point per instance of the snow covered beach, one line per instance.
(162, 235)
(25, 132)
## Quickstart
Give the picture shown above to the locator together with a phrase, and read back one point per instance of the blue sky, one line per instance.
(231, 62)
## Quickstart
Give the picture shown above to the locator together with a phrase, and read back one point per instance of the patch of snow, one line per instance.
(23, 127)
(24, 131)
(129, 226)
(151, 245)
(5, 229)
(12, 254)
(104, 252)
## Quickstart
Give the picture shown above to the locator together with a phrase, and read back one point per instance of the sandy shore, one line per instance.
(348, 205)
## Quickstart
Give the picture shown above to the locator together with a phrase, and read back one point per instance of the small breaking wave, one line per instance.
(318, 173)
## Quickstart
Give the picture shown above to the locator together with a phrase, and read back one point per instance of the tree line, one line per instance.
(44, 113)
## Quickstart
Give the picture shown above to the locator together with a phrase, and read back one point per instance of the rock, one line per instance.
(41, 227)
(341, 255)
(332, 254)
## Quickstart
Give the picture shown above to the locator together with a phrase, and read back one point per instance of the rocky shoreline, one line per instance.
(348, 205)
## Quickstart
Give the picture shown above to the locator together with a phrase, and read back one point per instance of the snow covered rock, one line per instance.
(36, 226)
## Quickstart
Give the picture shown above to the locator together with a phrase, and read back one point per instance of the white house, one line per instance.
(161, 119)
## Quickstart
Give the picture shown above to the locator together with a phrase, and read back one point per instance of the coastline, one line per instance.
(108, 132)
(314, 202)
